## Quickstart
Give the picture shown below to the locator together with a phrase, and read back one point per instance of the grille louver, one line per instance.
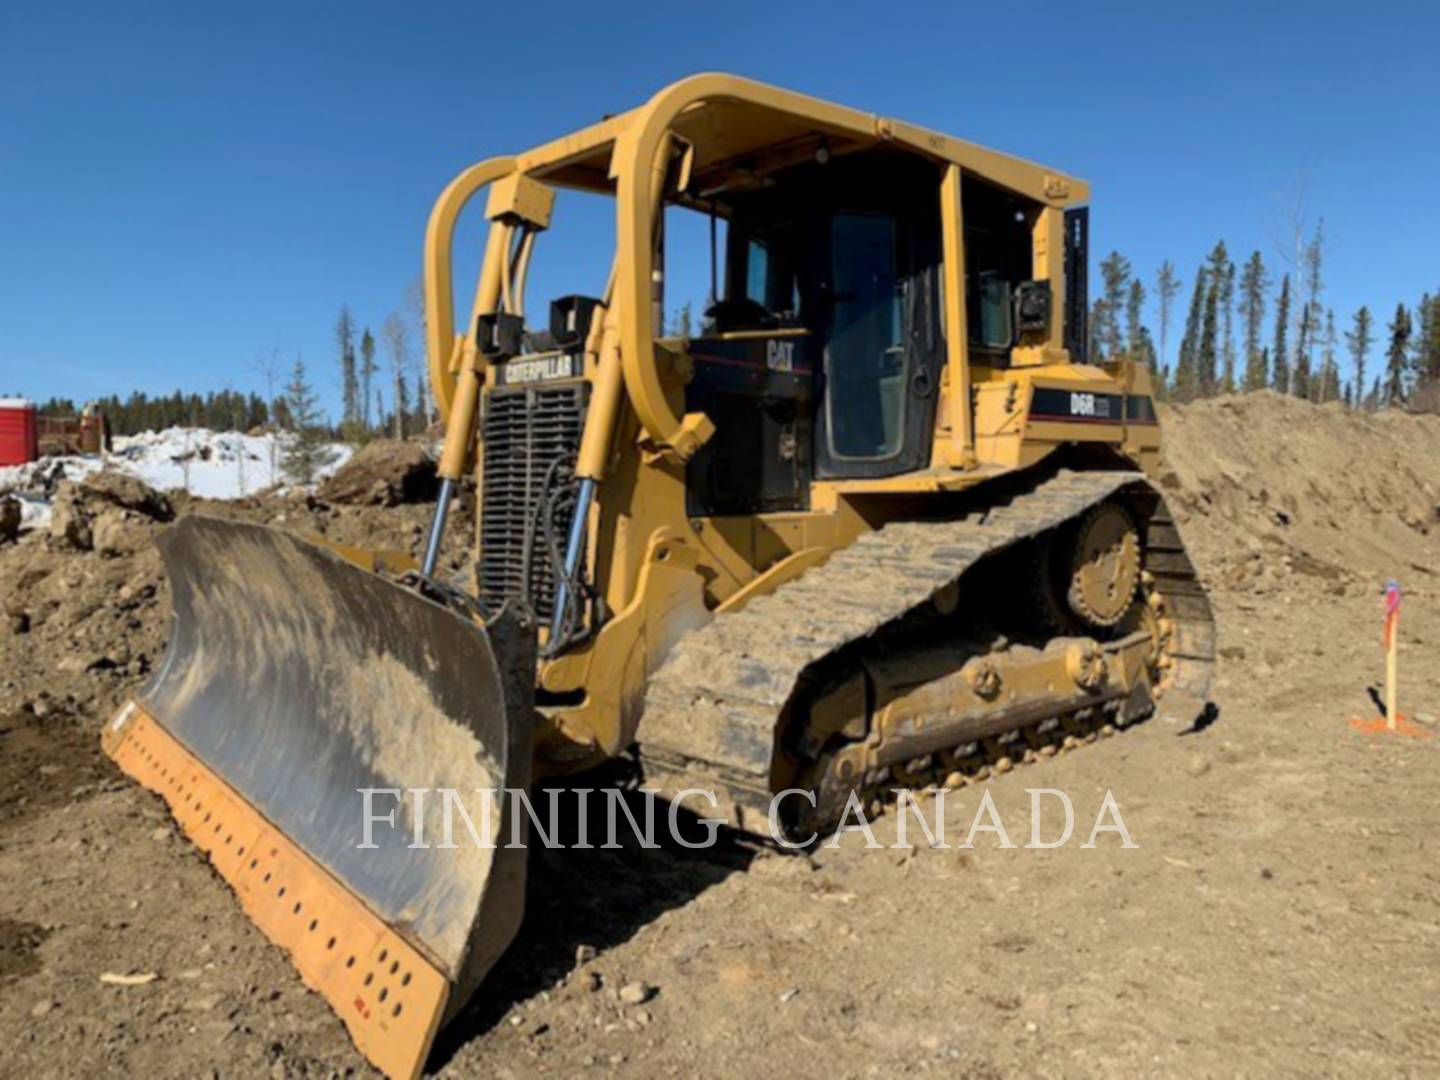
(525, 429)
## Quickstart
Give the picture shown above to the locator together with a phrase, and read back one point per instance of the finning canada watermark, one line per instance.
(489, 818)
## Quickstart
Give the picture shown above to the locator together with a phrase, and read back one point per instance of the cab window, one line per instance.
(865, 356)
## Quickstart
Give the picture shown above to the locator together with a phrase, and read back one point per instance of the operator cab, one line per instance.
(827, 338)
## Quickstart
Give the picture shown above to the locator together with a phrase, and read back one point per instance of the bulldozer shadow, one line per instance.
(595, 897)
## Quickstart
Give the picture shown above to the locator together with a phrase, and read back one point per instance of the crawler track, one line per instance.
(715, 712)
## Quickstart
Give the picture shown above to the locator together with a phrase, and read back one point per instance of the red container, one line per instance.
(19, 433)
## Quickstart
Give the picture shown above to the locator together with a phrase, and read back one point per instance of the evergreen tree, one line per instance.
(349, 382)
(1358, 340)
(1206, 354)
(1330, 370)
(1115, 276)
(1167, 285)
(1094, 348)
(1427, 341)
(1145, 353)
(1208, 349)
(1226, 306)
(367, 375)
(1397, 358)
(1280, 353)
(1253, 284)
(1300, 376)
(306, 450)
(1135, 332)
(1187, 375)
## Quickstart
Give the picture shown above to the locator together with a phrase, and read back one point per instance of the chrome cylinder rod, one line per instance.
(574, 549)
(437, 528)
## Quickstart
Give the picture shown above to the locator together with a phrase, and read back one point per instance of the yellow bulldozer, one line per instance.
(879, 521)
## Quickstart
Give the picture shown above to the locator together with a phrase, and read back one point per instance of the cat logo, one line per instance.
(780, 355)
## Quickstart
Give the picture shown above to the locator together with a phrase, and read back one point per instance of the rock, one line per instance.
(111, 978)
(127, 492)
(636, 993)
(42, 1008)
(590, 982)
(385, 472)
(203, 1003)
(1197, 766)
(789, 995)
(9, 518)
(118, 532)
(584, 954)
(69, 523)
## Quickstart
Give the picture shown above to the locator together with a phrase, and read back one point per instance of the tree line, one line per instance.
(1242, 333)
(222, 410)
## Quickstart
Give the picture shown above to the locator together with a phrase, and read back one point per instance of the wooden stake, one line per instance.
(1390, 671)
(1392, 648)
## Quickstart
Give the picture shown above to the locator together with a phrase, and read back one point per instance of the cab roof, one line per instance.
(741, 129)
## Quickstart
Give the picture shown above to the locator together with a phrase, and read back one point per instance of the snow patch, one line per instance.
(210, 464)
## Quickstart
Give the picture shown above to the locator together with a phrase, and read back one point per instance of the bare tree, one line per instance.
(1166, 286)
(1288, 232)
(396, 336)
(1314, 284)
(415, 313)
(270, 370)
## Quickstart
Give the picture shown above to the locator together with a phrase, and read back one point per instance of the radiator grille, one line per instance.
(525, 429)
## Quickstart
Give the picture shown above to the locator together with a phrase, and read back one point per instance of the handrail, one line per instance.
(440, 337)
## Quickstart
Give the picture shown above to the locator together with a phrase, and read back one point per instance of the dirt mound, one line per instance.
(109, 512)
(1271, 490)
(386, 472)
(86, 603)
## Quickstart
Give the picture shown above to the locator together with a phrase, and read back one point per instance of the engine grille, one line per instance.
(524, 431)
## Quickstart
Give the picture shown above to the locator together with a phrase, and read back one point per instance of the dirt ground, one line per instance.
(1280, 914)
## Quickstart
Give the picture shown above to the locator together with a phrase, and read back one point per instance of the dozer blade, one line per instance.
(295, 681)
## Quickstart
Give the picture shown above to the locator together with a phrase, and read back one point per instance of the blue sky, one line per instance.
(186, 187)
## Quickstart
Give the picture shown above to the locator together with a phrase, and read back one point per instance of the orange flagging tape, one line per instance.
(1378, 726)
(389, 996)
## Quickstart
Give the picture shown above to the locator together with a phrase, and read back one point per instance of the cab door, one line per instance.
(879, 358)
